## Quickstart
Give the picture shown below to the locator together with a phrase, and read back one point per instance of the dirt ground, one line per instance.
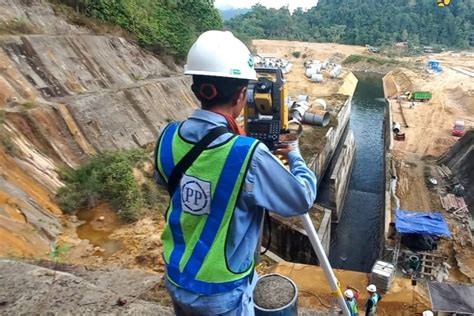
(314, 291)
(297, 82)
(427, 127)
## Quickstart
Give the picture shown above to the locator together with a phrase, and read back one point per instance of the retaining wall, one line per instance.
(320, 162)
(290, 241)
(340, 177)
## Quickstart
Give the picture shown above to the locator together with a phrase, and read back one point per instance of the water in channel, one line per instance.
(355, 241)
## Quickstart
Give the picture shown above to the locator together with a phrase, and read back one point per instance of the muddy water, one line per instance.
(100, 222)
(355, 241)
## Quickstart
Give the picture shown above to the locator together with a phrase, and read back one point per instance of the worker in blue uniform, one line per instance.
(218, 200)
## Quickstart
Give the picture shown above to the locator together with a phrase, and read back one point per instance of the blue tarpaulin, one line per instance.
(409, 222)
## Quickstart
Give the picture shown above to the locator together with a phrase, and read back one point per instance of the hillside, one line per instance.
(165, 27)
(374, 22)
(228, 14)
(67, 93)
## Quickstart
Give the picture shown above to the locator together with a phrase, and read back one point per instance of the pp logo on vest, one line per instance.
(195, 195)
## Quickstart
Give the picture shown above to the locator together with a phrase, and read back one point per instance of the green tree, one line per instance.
(161, 25)
(374, 22)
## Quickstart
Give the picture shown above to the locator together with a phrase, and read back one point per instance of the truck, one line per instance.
(420, 96)
(458, 129)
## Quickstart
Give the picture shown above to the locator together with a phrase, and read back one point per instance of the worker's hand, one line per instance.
(283, 150)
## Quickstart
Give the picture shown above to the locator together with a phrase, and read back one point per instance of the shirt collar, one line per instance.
(208, 117)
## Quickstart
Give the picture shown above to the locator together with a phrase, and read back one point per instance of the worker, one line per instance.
(217, 204)
(352, 295)
(372, 301)
(428, 313)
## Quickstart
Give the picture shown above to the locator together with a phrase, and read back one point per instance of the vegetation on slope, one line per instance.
(374, 22)
(352, 59)
(110, 177)
(160, 25)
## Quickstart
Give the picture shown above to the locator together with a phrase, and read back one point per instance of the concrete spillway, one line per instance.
(355, 243)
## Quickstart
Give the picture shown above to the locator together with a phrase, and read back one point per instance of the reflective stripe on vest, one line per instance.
(201, 210)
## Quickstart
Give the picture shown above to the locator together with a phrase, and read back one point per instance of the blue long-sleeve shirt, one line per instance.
(268, 184)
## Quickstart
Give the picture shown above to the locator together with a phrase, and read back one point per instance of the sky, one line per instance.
(225, 4)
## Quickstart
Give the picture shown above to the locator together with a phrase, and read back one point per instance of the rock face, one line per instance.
(33, 13)
(29, 289)
(66, 94)
(460, 158)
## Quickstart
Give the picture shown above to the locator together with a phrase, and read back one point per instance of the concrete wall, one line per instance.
(340, 176)
(388, 140)
(290, 241)
(320, 162)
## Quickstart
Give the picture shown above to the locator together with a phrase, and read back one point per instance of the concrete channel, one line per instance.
(349, 212)
(356, 240)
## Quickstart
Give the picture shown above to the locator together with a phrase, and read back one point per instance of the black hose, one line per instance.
(269, 240)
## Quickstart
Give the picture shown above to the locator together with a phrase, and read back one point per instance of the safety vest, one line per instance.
(374, 298)
(352, 305)
(200, 211)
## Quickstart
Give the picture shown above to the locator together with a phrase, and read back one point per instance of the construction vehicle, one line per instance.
(458, 129)
(420, 96)
(373, 49)
(266, 113)
(266, 118)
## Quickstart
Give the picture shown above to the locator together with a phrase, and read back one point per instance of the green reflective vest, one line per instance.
(200, 211)
(352, 306)
(374, 298)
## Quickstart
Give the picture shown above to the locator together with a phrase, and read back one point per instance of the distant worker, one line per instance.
(220, 182)
(351, 296)
(373, 300)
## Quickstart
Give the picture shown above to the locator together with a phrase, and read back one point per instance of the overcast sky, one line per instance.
(224, 4)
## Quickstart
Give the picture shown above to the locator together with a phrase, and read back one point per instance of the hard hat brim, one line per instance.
(220, 74)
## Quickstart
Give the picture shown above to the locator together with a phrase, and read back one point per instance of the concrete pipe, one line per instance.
(299, 109)
(320, 103)
(396, 127)
(336, 71)
(310, 72)
(316, 117)
(303, 97)
(317, 78)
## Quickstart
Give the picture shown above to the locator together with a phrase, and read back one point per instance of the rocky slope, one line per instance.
(66, 94)
(67, 290)
(460, 158)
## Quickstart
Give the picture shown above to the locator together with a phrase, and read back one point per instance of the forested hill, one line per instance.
(373, 22)
(228, 14)
(161, 25)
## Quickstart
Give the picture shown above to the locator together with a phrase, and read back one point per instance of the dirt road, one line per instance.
(428, 136)
(314, 291)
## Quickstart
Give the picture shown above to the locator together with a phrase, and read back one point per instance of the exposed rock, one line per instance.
(460, 158)
(29, 289)
(65, 95)
(37, 13)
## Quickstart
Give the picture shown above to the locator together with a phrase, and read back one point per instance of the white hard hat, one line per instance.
(220, 54)
(428, 313)
(372, 288)
(349, 294)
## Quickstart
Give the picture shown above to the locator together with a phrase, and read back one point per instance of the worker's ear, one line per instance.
(241, 96)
